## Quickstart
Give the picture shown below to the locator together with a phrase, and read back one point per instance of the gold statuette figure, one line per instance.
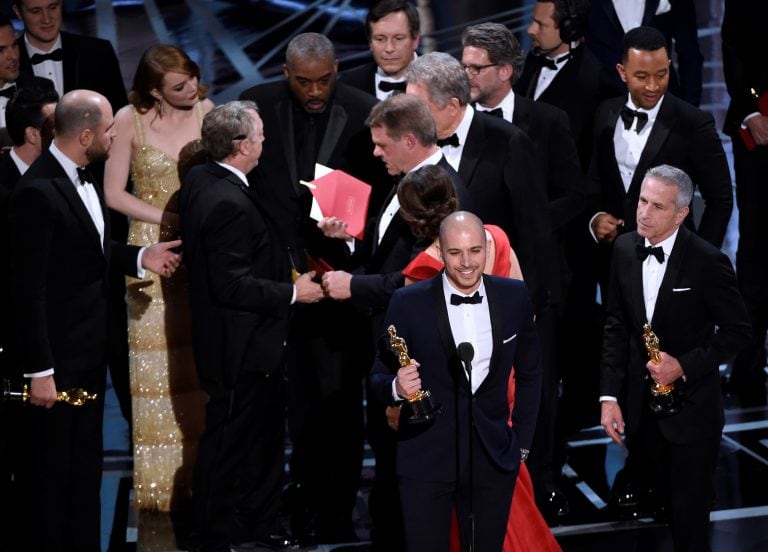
(420, 402)
(664, 399)
(74, 397)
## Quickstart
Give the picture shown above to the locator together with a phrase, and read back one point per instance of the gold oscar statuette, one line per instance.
(420, 402)
(73, 397)
(664, 399)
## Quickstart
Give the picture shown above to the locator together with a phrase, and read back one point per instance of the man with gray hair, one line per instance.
(665, 276)
(497, 163)
(241, 294)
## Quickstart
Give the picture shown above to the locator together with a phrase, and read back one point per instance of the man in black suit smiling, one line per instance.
(665, 275)
(61, 253)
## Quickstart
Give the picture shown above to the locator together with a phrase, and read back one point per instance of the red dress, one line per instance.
(526, 529)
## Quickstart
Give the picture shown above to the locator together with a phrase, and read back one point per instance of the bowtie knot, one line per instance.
(389, 86)
(550, 63)
(474, 299)
(643, 252)
(452, 140)
(53, 55)
(85, 176)
(8, 92)
(628, 115)
(497, 112)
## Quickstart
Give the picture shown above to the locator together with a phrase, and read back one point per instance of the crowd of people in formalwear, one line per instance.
(531, 218)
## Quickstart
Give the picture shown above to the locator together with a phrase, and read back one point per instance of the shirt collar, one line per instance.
(34, 50)
(69, 166)
(652, 113)
(240, 174)
(463, 129)
(666, 244)
(507, 105)
(433, 159)
(20, 164)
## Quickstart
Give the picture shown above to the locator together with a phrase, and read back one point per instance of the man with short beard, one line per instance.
(61, 253)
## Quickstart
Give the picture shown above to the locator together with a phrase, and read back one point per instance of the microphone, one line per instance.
(466, 352)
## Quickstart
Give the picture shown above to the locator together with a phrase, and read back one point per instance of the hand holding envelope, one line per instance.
(340, 195)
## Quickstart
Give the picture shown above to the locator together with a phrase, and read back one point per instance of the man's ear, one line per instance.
(622, 71)
(31, 135)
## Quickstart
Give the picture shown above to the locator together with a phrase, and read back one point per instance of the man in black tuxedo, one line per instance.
(70, 61)
(241, 293)
(404, 137)
(497, 163)
(492, 58)
(745, 66)
(462, 460)
(61, 253)
(560, 71)
(647, 128)
(675, 19)
(392, 27)
(686, 289)
(308, 119)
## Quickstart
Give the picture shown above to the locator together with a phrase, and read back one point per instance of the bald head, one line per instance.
(79, 110)
(463, 221)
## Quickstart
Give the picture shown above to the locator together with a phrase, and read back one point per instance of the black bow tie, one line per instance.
(452, 140)
(8, 92)
(628, 115)
(643, 252)
(387, 86)
(550, 63)
(53, 55)
(498, 112)
(474, 299)
(85, 176)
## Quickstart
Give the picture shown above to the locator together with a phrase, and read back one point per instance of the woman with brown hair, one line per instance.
(166, 109)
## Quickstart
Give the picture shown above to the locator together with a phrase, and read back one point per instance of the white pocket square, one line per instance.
(509, 339)
(675, 290)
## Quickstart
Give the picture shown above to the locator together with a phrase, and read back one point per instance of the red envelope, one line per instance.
(345, 197)
(319, 265)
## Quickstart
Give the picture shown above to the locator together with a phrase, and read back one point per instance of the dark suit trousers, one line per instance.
(427, 507)
(61, 475)
(748, 377)
(239, 470)
(683, 475)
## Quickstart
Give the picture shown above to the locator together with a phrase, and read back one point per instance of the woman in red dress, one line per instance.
(426, 197)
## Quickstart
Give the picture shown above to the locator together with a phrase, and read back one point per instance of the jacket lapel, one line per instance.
(472, 150)
(665, 120)
(444, 329)
(610, 144)
(671, 275)
(494, 310)
(636, 281)
(284, 110)
(337, 120)
(67, 190)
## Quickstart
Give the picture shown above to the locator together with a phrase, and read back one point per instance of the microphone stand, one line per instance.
(466, 353)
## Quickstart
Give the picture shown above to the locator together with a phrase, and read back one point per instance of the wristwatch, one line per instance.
(524, 454)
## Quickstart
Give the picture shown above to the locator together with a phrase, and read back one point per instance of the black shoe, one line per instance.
(275, 541)
(555, 506)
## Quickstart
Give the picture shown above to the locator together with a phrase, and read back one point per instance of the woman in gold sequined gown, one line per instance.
(165, 112)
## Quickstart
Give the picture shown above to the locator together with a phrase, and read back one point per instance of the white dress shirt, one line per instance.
(630, 144)
(51, 70)
(453, 154)
(18, 161)
(630, 12)
(381, 76)
(4, 103)
(507, 106)
(547, 75)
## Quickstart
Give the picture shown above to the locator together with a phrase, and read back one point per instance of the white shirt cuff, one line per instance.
(140, 272)
(608, 398)
(48, 372)
(592, 232)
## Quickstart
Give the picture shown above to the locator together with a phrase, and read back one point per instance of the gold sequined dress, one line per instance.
(168, 405)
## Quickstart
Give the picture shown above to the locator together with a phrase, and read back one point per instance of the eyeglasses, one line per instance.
(474, 70)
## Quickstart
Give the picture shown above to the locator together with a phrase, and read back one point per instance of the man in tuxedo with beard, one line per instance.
(61, 253)
(392, 27)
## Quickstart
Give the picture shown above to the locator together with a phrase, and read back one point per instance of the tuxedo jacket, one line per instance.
(498, 166)
(430, 452)
(578, 88)
(59, 270)
(362, 77)
(346, 145)
(239, 279)
(679, 27)
(699, 318)
(745, 65)
(682, 136)
(9, 173)
(381, 273)
(89, 63)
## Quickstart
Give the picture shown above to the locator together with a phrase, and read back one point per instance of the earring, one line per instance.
(159, 108)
